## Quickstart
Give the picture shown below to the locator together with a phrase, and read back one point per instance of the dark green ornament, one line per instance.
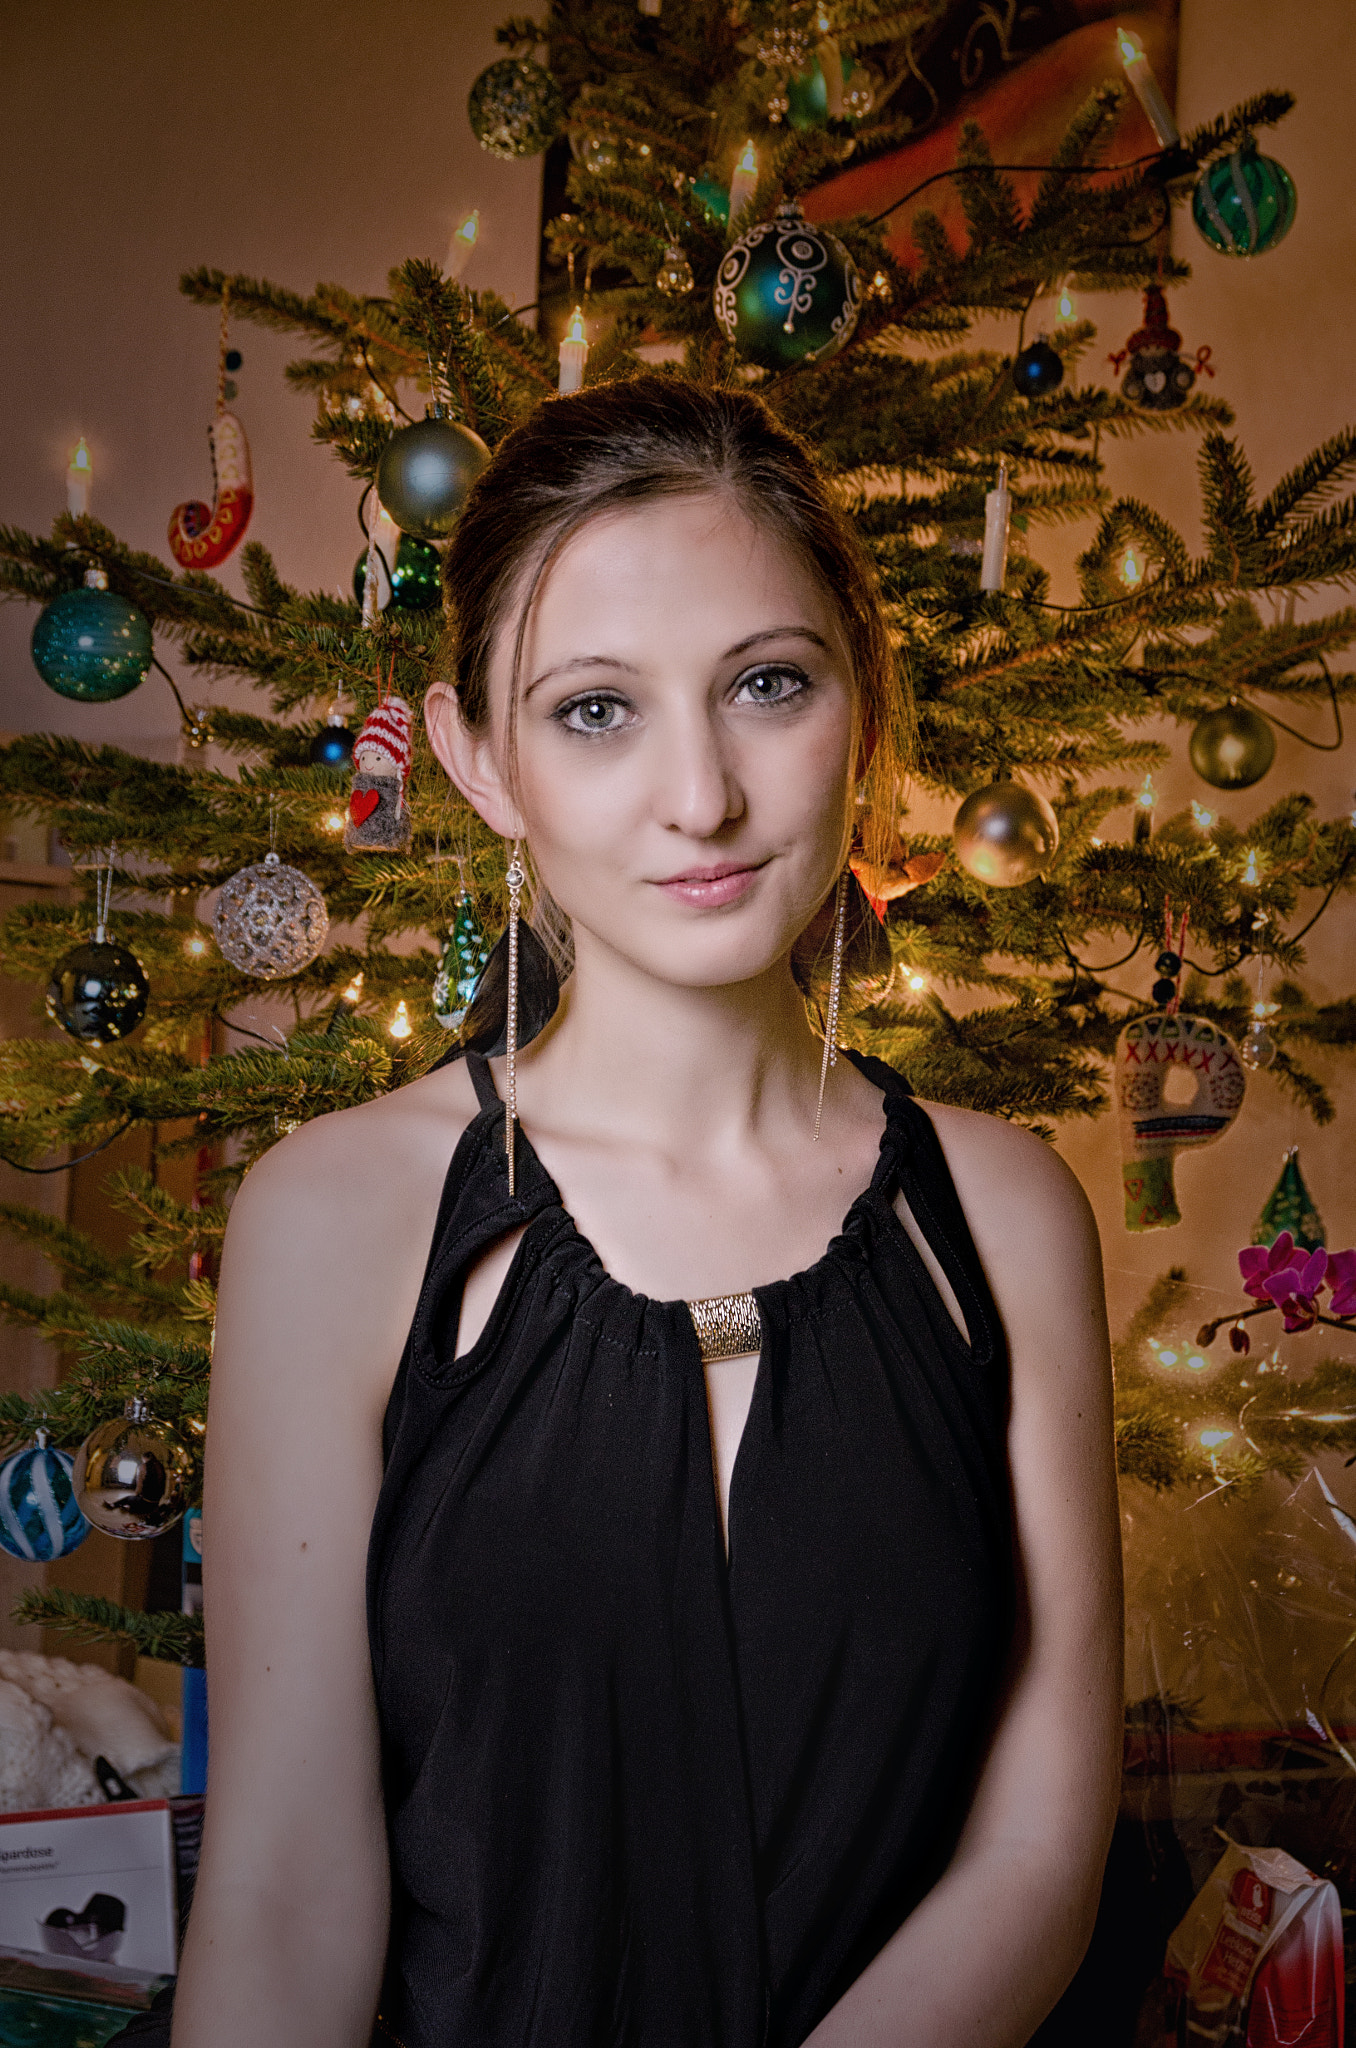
(1233, 747)
(714, 197)
(425, 474)
(1245, 203)
(515, 109)
(91, 644)
(463, 962)
(808, 96)
(416, 576)
(787, 292)
(1290, 1207)
(98, 991)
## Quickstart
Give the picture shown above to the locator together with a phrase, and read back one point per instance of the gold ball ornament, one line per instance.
(1005, 834)
(1233, 747)
(131, 1475)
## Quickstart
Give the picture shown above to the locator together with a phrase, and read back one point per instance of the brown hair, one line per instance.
(649, 437)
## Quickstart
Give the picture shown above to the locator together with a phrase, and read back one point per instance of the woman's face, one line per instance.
(685, 733)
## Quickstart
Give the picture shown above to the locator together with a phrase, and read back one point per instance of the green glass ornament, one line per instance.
(1245, 203)
(425, 473)
(787, 292)
(807, 97)
(91, 644)
(416, 576)
(713, 196)
(1290, 1207)
(1233, 747)
(515, 108)
(462, 964)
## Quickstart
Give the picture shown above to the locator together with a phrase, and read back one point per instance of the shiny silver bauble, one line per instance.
(131, 1475)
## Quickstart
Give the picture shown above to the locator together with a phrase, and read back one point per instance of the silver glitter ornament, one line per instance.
(131, 1475)
(270, 920)
(1005, 834)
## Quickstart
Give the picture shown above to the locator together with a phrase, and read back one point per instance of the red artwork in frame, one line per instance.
(1021, 71)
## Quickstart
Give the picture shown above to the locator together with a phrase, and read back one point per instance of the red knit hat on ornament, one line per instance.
(388, 730)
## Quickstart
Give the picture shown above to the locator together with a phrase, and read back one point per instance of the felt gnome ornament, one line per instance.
(378, 816)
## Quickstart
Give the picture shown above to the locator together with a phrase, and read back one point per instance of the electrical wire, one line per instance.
(1057, 170)
(67, 1164)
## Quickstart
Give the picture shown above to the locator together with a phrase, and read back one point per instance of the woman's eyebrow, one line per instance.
(578, 662)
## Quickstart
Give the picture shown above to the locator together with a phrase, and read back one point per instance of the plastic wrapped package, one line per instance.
(1241, 1727)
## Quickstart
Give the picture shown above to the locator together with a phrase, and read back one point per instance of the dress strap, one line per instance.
(482, 1080)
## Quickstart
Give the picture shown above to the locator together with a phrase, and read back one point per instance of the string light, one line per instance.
(1211, 1439)
(354, 990)
(1066, 309)
(462, 243)
(1252, 874)
(1131, 571)
(400, 1025)
(79, 477)
(1201, 818)
(574, 353)
(1147, 797)
(195, 946)
(916, 981)
(1140, 78)
(744, 183)
(333, 821)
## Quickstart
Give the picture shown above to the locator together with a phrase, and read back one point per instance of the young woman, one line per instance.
(679, 1609)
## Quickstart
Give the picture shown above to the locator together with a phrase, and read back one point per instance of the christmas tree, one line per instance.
(696, 134)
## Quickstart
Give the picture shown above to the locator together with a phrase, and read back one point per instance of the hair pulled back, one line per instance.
(649, 437)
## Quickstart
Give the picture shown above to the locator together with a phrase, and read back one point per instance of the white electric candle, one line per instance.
(744, 183)
(651, 7)
(574, 353)
(997, 513)
(79, 477)
(1139, 73)
(462, 243)
(831, 67)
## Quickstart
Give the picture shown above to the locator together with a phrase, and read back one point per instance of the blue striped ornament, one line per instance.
(40, 1517)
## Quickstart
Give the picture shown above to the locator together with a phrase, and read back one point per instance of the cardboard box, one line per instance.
(92, 1884)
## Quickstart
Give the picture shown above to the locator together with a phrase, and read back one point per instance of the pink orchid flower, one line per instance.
(1258, 1263)
(1342, 1280)
(1294, 1289)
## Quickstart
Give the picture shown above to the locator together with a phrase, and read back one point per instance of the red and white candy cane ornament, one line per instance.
(202, 536)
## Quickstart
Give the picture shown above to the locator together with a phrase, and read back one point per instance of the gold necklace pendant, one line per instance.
(727, 1326)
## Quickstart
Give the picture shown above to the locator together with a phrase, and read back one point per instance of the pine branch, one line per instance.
(88, 1618)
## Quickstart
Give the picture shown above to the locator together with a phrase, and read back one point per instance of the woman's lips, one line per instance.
(711, 888)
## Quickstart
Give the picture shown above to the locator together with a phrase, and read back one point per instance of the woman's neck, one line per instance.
(632, 1056)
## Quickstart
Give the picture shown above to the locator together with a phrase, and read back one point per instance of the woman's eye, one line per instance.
(771, 685)
(592, 714)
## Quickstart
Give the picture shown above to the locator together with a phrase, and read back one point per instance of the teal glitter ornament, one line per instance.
(416, 576)
(787, 292)
(463, 962)
(1290, 1207)
(40, 1517)
(1245, 203)
(515, 108)
(91, 644)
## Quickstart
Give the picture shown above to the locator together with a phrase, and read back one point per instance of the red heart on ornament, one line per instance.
(362, 803)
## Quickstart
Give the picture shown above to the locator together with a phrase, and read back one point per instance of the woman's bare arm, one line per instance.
(288, 1933)
(986, 1954)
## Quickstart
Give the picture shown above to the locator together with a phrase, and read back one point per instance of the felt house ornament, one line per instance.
(378, 816)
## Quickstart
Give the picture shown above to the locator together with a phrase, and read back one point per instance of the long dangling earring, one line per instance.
(514, 879)
(830, 1058)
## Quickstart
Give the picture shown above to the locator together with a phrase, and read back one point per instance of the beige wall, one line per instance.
(305, 140)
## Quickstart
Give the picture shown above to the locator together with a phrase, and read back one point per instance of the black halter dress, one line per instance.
(637, 1796)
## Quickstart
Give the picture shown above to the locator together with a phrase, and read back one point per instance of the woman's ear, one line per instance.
(469, 759)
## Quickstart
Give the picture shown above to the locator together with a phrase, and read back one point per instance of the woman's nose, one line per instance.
(698, 789)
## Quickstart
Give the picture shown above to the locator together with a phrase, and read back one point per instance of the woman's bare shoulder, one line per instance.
(1005, 1172)
(375, 1170)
